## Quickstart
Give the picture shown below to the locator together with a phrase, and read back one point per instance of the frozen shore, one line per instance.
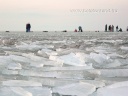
(63, 64)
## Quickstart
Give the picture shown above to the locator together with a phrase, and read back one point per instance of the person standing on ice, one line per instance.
(120, 30)
(127, 28)
(112, 28)
(28, 27)
(80, 29)
(106, 28)
(109, 28)
(116, 28)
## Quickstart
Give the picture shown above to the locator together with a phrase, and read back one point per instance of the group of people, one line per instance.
(110, 28)
(79, 29)
(28, 27)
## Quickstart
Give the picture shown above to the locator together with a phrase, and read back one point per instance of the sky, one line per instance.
(58, 15)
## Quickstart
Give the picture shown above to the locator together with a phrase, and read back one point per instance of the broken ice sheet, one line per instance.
(25, 91)
(9, 72)
(29, 47)
(70, 59)
(78, 89)
(19, 83)
(117, 89)
(100, 58)
(14, 66)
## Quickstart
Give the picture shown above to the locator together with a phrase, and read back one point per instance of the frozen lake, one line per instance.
(63, 64)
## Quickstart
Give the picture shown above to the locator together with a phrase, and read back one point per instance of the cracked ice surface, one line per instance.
(63, 64)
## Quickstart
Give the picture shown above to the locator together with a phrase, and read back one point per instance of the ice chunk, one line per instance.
(104, 48)
(13, 53)
(99, 58)
(115, 55)
(59, 49)
(48, 52)
(59, 41)
(122, 91)
(112, 80)
(7, 48)
(96, 83)
(82, 56)
(91, 74)
(19, 59)
(119, 84)
(37, 64)
(67, 51)
(74, 75)
(114, 64)
(117, 89)
(8, 41)
(54, 58)
(5, 60)
(46, 63)
(25, 91)
(71, 59)
(53, 82)
(40, 53)
(107, 41)
(6, 91)
(53, 63)
(41, 61)
(20, 91)
(78, 89)
(71, 68)
(39, 91)
(9, 72)
(30, 47)
(14, 66)
(124, 48)
(19, 83)
(30, 73)
(48, 46)
(33, 57)
(114, 72)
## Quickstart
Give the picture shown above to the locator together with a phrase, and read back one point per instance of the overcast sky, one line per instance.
(57, 14)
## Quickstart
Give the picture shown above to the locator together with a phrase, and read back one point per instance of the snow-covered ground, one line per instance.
(63, 64)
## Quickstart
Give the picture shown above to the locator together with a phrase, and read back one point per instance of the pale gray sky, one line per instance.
(56, 14)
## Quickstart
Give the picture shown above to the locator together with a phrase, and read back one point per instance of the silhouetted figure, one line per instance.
(80, 29)
(127, 28)
(112, 28)
(109, 28)
(116, 28)
(28, 27)
(106, 28)
(120, 30)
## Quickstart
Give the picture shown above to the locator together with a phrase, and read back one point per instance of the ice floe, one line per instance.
(117, 89)
(19, 83)
(78, 89)
(14, 66)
